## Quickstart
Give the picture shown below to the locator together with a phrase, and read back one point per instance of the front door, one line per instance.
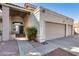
(19, 29)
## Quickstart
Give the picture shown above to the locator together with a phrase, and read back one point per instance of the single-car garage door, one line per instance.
(54, 30)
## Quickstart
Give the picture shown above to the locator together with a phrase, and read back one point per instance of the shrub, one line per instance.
(31, 33)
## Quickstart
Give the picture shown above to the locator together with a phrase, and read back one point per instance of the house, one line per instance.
(50, 25)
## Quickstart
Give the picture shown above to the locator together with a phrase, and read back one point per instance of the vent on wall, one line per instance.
(43, 11)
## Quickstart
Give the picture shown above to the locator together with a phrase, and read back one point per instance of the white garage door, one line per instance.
(54, 30)
(69, 30)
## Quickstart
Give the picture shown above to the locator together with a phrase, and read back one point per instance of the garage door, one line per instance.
(54, 30)
(69, 30)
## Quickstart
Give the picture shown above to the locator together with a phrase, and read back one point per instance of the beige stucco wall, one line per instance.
(9, 25)
(15, 19)
(33, 22)
(5, 24)
(51, 16)
(41, 25)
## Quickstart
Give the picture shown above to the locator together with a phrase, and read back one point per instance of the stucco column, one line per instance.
(5, 20)
(42, 31)
(66, 30)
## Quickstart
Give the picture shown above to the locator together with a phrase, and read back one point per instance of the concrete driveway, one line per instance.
(70, 44)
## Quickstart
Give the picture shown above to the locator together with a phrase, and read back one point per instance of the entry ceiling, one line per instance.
(16, 12)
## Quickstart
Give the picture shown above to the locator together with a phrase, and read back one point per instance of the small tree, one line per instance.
(31, 33)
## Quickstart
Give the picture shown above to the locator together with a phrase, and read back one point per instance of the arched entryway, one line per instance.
(18, 26)
(18, 29)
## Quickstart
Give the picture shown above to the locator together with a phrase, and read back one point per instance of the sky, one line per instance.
(68, 9)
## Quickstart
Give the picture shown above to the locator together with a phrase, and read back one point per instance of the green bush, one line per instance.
(31, 33)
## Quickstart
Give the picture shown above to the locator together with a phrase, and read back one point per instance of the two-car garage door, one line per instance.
(55, 30)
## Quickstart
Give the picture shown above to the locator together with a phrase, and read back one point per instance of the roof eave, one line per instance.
(15, 7)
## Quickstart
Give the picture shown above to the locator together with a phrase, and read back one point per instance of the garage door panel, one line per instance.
(54, 30)
(69, 30)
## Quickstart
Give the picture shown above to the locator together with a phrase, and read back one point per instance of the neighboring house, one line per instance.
(50, 25)
(76, 27)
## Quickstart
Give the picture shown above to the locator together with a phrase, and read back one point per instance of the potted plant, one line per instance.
(31, 33)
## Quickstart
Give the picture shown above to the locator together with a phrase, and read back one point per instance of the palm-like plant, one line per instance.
(31, 33)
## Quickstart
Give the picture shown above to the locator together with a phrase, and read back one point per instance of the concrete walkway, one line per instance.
(9, 48)
(26, 49)
(70, 44)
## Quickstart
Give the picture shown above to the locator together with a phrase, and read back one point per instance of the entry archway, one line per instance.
(18, 26)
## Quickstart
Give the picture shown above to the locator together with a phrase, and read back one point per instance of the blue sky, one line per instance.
(67, 9)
